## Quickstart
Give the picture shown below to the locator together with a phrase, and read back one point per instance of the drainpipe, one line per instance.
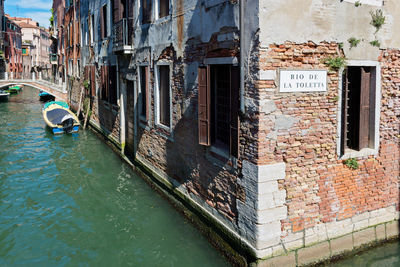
(121, 91)
(242, 9)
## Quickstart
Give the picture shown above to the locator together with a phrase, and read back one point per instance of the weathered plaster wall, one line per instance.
(327, 20)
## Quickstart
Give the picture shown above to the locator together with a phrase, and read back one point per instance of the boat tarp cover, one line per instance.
(60, 103)
(56, 116)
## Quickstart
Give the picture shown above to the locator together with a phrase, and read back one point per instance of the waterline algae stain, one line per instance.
(70, 201)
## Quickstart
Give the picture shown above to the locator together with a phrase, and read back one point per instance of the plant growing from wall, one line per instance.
(351, 163)
(375, 43)
(86, 84)
(353, 42)
(335, 63)
(378, 19)
(357, 3)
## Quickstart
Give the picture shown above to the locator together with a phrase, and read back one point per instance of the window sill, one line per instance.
(163, 19)
(365, 152)
(165, 128)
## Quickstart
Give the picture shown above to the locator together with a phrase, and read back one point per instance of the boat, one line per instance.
(20, 85)
(44, 96)
(4, 95)
(60, 118)
(14, 89)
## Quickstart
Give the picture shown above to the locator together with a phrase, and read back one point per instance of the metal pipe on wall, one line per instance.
(242, 57)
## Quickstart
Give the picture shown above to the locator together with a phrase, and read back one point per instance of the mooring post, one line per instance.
(80, 103)
(86, 115)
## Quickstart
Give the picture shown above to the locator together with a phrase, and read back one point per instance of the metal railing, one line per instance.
(122, 33)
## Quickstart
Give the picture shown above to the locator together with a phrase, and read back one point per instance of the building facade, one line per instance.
(13, 49)
(278, 122)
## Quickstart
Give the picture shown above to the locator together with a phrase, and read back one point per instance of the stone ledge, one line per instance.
(348, 244)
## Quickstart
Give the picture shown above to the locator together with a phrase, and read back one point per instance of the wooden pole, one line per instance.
(80, 102)
(86, 115)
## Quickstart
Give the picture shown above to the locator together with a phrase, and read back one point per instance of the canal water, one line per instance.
(70, 201)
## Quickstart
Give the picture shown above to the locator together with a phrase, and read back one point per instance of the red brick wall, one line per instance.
(320, 188)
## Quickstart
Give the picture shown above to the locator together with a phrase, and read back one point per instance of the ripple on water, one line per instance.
(70, 201)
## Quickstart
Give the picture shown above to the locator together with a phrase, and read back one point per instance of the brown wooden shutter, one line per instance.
(146, 69)
(116, 10)
(234, 114)
(204, 106)
(345, 108)
(93, 80)
(364, 107)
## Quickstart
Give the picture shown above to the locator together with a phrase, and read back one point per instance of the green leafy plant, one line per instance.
(351, 163)
(51, 19)
(335, 63)
(378, 19)
(353, 42)
(340, 45)
(357, 3)
(375, 43)
(86, 84)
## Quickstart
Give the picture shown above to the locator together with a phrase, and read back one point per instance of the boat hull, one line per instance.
(59, 118)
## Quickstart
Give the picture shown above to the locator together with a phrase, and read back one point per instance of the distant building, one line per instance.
(39, 38)
(13, 48)
(58, 28)
(27, 59)
(2, 29)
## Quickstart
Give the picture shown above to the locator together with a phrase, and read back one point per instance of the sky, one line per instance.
(38, 10)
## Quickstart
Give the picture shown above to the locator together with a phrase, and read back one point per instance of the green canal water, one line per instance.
(70, 201)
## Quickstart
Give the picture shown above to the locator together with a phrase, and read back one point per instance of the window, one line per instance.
(358, 109)
(146, 11)
(143, 93)
(218, 105)
(163, 94)
(113, 85)
(163, 8)
(91, 29)
(103, 18)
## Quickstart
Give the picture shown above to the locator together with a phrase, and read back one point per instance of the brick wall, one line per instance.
(202, 173)
(300, 129)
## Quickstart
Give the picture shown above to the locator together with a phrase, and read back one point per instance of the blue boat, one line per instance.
(44, 96)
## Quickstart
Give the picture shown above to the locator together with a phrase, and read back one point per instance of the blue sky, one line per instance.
(38, 10)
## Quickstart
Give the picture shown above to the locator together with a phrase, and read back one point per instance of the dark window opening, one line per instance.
(146, 11)
(143, 93)
(164, 8)
(104, 22)
(220, 106)
(113, 85)
(358, 108)
(164, 101)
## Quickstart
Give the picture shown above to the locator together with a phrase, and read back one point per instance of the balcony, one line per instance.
(122, 36)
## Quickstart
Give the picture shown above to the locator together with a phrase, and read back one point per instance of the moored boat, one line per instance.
(14, 89)
(60, 118)
(4, 95)
(44, 96)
